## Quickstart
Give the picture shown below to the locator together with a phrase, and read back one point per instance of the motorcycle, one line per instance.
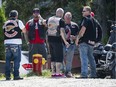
(105, 57)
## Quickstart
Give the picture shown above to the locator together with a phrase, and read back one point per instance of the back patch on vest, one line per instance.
(53, 24)
(9, 28)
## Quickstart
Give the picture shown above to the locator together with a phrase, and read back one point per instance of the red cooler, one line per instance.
(37, 64)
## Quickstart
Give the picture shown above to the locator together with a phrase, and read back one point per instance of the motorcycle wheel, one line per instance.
(113, 75)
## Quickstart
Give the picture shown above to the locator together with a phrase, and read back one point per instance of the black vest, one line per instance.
(12, 30)
(90, 33)
(31, 32)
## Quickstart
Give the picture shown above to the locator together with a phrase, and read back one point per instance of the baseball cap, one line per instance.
(36, 10)
(13, 13)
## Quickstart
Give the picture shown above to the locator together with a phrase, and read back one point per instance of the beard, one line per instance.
(36, 16)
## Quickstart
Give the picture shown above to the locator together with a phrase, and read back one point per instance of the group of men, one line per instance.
(62, 35)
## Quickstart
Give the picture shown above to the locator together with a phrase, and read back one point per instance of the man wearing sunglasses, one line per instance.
(36, 35)
(86, 40)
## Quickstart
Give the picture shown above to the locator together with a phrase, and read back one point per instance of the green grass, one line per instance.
(45, 73)
(2, 76)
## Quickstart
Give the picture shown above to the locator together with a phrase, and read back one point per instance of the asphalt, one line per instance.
(36, 81)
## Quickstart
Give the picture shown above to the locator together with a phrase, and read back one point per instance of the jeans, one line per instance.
(13, 51)
(68, 54)
(86, 55)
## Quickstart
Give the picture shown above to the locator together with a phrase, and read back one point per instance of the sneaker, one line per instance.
(69, 75)
(53, 75)
(58, 75)
(18, 78)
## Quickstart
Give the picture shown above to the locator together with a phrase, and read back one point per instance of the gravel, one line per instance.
(36, 81)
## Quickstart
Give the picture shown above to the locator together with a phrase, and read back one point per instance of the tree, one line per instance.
(24, 7)
(2, 20)
(104, 10)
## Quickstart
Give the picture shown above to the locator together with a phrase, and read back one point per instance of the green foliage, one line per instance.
(24, 7)
(110, 9)
(75, 7)
(48, 8)
(2, 20)
(2, 76)
(45, 73)
(105, 39)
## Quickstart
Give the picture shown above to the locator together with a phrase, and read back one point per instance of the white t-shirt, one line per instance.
(16, 41)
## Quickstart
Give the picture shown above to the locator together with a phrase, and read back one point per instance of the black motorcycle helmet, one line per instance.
(114, 47)
(13, 13)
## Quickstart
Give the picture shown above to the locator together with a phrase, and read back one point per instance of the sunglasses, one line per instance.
(36, 11)
(83, 11)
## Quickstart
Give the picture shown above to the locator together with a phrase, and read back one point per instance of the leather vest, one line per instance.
(53, 26)
(31, 32)
(12, 30)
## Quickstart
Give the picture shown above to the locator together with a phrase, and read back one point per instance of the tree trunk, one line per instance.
(101, 16)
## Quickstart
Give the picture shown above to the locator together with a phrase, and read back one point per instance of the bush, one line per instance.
(2, 20)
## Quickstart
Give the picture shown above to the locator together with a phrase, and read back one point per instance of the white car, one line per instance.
(25, 66)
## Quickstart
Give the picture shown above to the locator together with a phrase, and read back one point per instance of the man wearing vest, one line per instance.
(36, 35)
(86, 40)
(12, 35)
(55, 39)
(98, 29)
(71, 29)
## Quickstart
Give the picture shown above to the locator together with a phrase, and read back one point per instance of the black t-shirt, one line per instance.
(90, 32)
(74, 28)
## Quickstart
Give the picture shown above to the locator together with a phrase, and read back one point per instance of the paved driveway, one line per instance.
(59, 82)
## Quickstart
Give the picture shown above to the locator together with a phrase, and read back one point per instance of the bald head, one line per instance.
(68, 17)
(59, 12)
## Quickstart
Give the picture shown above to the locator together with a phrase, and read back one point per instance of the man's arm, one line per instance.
(62, 32)
(24, 30)
(81, 33)
(26, 33)
(63, 35)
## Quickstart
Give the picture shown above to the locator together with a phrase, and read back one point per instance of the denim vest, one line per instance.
(31, 32)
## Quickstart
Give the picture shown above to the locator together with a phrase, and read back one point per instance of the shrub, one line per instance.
(2, 20)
